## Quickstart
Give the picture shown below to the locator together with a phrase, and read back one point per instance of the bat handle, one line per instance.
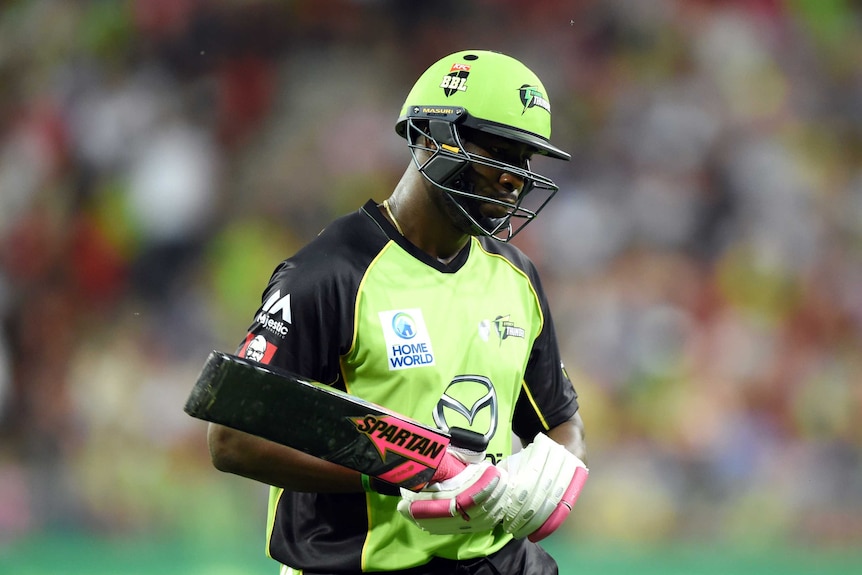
(450, 466)
(467, 439)
(470, 447)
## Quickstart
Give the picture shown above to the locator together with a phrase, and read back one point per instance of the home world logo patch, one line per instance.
(407, 342)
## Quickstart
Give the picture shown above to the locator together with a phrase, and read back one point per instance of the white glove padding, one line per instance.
(473, 501)
(545, 479)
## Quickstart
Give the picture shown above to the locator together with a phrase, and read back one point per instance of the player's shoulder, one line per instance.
(354, 232)
(348, 235)
(343, 249)
(511, 253)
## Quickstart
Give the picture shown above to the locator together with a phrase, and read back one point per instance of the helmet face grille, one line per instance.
(447, 160)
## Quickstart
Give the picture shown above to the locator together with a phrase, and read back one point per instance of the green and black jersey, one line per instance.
(468, 344)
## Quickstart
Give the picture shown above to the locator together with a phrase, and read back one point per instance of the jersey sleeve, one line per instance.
(290, 327)
(548, 397)
(305, 320)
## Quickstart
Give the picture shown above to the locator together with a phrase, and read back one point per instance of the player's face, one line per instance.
(256, 349)
(492, 182)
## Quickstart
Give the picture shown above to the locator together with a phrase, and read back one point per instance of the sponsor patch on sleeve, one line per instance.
(257, 348)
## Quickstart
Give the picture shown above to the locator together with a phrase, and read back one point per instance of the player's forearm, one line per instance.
(242, 454)
(571, 435)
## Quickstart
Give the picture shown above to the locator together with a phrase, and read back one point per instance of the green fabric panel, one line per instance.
(481, 319)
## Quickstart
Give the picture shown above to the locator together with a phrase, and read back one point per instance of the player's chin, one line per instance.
(494, 211)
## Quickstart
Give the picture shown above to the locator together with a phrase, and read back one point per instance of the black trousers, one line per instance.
(518, 557)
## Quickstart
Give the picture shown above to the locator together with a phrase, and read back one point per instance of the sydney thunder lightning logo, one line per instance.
(507, 329)
(531, 97)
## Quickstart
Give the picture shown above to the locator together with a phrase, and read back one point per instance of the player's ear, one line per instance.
(421, 133)
(422, 137)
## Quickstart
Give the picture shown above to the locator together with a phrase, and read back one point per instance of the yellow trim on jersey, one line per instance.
(535, 407)
(525, 276)
(275, 494)
(359, 288)
(368, 507)
(524, 385)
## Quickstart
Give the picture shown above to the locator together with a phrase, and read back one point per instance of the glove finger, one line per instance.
(479, 492)
(462, 503)
(432, 509)
(494, 507)
(456, 526)
(444, 520)
(531, 496)
(512, 463)
(536, 471)
(556, 477)
(563, 508)
(528, 463)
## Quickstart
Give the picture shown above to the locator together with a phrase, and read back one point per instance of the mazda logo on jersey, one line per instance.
(469, 401)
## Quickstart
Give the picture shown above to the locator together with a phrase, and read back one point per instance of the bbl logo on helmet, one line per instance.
(531, 97)
(456, 79)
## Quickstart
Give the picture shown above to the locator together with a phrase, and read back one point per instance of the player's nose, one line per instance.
(512, 183)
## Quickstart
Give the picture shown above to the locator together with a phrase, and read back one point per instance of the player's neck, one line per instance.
(422, 222)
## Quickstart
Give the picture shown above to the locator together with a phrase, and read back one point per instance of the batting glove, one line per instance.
(545, 480)
(472, 500)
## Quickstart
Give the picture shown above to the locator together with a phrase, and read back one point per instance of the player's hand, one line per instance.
(545, 479)
(473, 500)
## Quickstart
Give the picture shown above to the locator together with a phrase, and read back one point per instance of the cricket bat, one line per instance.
(322, 421)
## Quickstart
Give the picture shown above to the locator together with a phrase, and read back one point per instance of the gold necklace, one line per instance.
(392, 216)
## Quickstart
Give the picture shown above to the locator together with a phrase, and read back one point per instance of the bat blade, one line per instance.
(319, 420)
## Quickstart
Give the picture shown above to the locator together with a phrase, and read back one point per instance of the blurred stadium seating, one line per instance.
(703, 258)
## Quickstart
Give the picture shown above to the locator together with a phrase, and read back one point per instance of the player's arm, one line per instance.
(548, 474)
(249, 456)
(570, 434)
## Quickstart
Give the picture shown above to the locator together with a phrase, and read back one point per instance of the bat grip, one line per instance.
(469, 446)
(450, 466)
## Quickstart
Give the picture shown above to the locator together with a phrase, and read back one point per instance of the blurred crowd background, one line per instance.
(703, 258)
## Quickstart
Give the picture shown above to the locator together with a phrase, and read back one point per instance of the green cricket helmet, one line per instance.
(488, 92)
